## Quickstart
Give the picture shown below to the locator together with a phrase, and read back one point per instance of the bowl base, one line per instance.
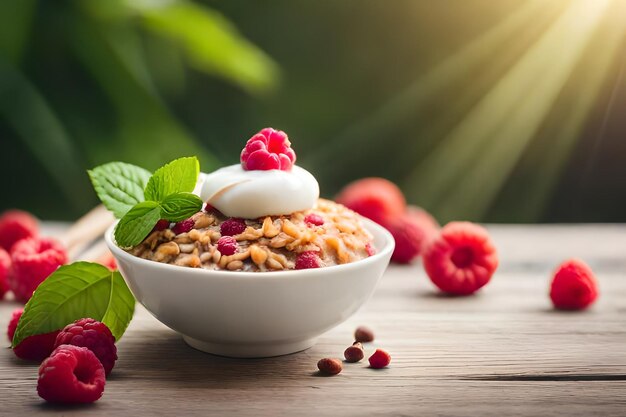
(249, 350)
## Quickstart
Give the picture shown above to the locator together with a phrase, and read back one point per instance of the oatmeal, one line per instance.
(325, 235)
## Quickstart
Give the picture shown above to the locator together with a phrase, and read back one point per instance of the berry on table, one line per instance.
(16, 225)
(71, 374)
(227, 245)
(5, 269)
(363, 334)
(232, 226)
(269, 149)
(15, 318)
(37, 347)
(425, 221)
(408, 235)
(329, 366)
(574, 286)
(308, 260)
(33, 260)
(93, 335)
(375, 198)
(184, 226)
(354, 353)
(461, 259)
(380, 359)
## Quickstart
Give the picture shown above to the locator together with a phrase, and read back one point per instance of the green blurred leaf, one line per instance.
(15, 23)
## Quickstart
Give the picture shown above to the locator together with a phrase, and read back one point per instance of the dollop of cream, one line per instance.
(253, 194)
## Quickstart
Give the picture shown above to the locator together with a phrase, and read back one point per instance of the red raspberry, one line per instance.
(16, 225)
(268, 149)
(380, 359)
(375, 198)
(308, 260)
(227, 245)
(314, 219)
(232, 226)
(15, 317)
(461, 259)
(107, 260)
(426, 221)
(408, 235)
(5, 268)
(33, 260)
(36, 348)
(72, 374)
(93, 335)
(574, 287)
(371, 250)
(184, 226)
(162, 225)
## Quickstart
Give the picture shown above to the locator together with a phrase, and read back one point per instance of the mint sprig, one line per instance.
(75, 291)
(142, 201)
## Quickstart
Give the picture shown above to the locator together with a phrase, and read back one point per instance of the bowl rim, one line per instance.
(381, 253)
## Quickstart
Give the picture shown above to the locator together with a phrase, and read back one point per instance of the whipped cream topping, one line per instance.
(253, 194)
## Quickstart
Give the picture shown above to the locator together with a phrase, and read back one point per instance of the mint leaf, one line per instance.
(137, 223)
(75, 291)
(119, 185)
(179, 176)
(180, 206)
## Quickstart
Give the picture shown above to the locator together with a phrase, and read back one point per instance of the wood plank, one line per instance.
(503, 351)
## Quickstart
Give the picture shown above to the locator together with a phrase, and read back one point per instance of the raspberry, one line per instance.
(37, 347)
(426, 222)
(227, 245)
(161, 225)
(33, 260)
(370, 249)
(363, 334)
(5, 268)
(268, 149)
(72, 374)
(232, 226)
(15, 318)
(16, 225)
(93, 335)
(408, 235)
(574, 286)
(183, 226)
(314, 219)
(308, 260)
(380, 359)
(461, 259)
(375, 198)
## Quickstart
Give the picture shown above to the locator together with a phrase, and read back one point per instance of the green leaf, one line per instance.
(179, 176)
(137, 223)
(75, 291)
(119, 185)
(180, 206)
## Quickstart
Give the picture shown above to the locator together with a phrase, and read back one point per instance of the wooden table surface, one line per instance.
(501, 352)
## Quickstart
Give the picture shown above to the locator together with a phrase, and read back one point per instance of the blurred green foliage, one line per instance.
(482, 110)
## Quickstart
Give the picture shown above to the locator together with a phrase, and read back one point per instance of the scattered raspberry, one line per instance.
(107, 260)
(162, 225)
(15, 317)
(370, 249)
(375, 198)
(71, 374)
(33, 260)
(308, 260)
(461, 259)
(380, 359)
(227, 245)
(93, 335)
(314, 219)
(329, 366)
(16, 225)
(408, 235)
(363, 334)
(425, 221)
(232, 227)
(5, 269)
(574, 286)
(268, 149)
(183, 226)
(36, 348)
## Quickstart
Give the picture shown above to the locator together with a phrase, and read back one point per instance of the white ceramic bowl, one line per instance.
(253, 314)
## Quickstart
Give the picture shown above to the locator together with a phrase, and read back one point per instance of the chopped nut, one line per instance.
(186, 247)
(234, 265)
(188, 260)
(165, 251)
(258, 255)
(269, 230)
(203, 220)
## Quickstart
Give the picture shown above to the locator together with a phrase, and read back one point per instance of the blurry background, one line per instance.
(498, 111)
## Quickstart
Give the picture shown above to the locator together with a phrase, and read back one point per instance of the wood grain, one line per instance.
(501, 352)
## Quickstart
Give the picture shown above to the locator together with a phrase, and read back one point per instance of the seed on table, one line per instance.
(329, 366)
(354, 353)
(363, 334)
(379, 359)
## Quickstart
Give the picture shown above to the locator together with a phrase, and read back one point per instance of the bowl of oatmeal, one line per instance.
(265, 267)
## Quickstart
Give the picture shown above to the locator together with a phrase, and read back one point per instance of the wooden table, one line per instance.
(501, 352)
